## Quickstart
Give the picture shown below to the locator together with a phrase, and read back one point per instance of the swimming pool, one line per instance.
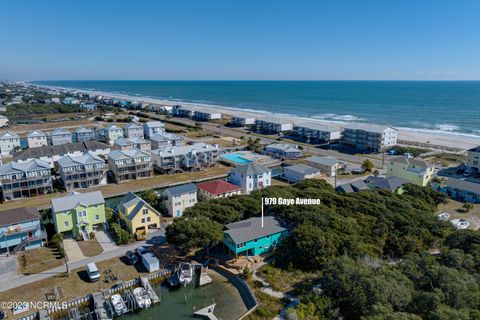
(235, 158)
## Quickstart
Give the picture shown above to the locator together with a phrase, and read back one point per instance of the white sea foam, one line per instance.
(446, 127)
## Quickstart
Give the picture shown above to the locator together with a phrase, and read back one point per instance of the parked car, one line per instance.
(92, 271)
(131, 257)
(141, 251)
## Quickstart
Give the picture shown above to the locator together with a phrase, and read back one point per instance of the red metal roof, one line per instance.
(217, 187)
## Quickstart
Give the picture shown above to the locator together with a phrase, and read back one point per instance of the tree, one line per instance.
(193, 234)
(467, 206)
(367, 165)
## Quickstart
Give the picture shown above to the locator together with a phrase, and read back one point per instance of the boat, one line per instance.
(186, 273)
(119, 305)
(142, 297)
(173, 281)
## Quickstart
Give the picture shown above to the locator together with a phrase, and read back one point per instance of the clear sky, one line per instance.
(242, 39)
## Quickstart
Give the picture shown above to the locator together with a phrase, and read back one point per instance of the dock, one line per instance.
(153, 295)
(101, 305)
(207, 312)
(204, 277)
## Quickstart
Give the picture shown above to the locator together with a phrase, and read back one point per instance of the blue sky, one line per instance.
(262, 39)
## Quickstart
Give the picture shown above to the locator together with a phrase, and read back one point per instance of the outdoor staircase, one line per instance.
(85, 235)
(20, 246)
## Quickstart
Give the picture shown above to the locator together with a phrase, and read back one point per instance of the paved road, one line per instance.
(10, 281)
(238, 132)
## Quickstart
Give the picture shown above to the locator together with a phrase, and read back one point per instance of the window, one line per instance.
(145, 211)
(97, 217)
(143, 220)
(148, 219)
(66, 224)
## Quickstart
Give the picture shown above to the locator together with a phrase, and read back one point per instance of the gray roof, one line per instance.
(303, 169)
(165, 137)
(59, 131)
(171, 151)
(84, 130)
(84, 159)
(130, 141)
(14, 216)
(323, 160)
(131, 199)
(36, 133)
(391, 183)
(273, 120)
(182, 189)
(32, 165)
(73, 199)
(319, 126)
(133, 126)
(49, 151)
(127, 154)
(251, 229)
(250, 168)
(463, 185)
(9, 135)
(419, 162)
(367, 127)
(285, 147)
(353, 186)
(153, 124)
(112, 127)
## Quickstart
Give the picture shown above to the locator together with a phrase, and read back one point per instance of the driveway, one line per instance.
(72, 250)
(105, 241)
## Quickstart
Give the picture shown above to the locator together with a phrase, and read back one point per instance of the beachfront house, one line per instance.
(133, 130)
(132, 143)
(88, 106)
(272, 126)
(85, 171)
(473, 158)
(217, 189)
(153, 127)
(254, 236)
(415, 170)
(239, 121)
(352, 186)
(179, 111)
(20, 229)
(3, 120)
(137, 214)
(459, 189)
(206, 116)
(283, 151)
(110, 133)
(19, 180)
(129, 164)
(9, 143)
(251, 176)
(179, 198)
(52, 154)
(78, 214)
(83, 134)
(299, 172)
(369, 137)
(317, 132)
(328, 166)
(185, 158)
(59, 136)
(36, 139)
(165, 139)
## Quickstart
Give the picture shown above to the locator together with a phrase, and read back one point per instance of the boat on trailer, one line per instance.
(142, 297)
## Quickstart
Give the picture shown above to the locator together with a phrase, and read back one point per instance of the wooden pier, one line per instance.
(102, 306)
(207, 312)
(153, 295)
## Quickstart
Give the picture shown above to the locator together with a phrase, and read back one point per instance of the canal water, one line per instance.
(179, 304)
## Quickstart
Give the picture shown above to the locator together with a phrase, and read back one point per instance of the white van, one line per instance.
(92, 271)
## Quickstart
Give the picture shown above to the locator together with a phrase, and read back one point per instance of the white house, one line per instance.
(153, 127)
(179, 198)
(9, 143)
(251, 176)
(36, 139)
(3, 121)
(299, 172)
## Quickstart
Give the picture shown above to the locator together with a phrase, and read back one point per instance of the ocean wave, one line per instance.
(338, 117)
(446, 127)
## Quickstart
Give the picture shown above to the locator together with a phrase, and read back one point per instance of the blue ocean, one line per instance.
(447, 106)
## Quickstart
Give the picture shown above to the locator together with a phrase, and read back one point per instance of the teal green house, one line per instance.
(251, 238)
(77, 214)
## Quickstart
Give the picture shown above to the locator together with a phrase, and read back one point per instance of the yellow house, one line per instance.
(415, 170)
(138, 214)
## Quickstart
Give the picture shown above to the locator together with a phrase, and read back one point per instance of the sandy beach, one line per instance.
(418, 137)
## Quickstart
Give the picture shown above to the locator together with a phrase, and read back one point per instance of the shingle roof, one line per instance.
(318, 126)
(35, 133)
(9, 135)
(84, 130)
(49, 151)
(391, 183)
(463, 185)
(127, 154)
(182, 189)
(171, 151)
(59, 131)
(323, 160)
(130, 141)
(218, 187)
(353, 186)
(73, 199)
(303, 169)
(84, 159)
(154, 124)
(133, 126)
(368, 127)
(165, 137)
(31, 165)
(18, 215)
(412, 161)
(285, 147)
(251, 229)
(132, 199)
(250, 168)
